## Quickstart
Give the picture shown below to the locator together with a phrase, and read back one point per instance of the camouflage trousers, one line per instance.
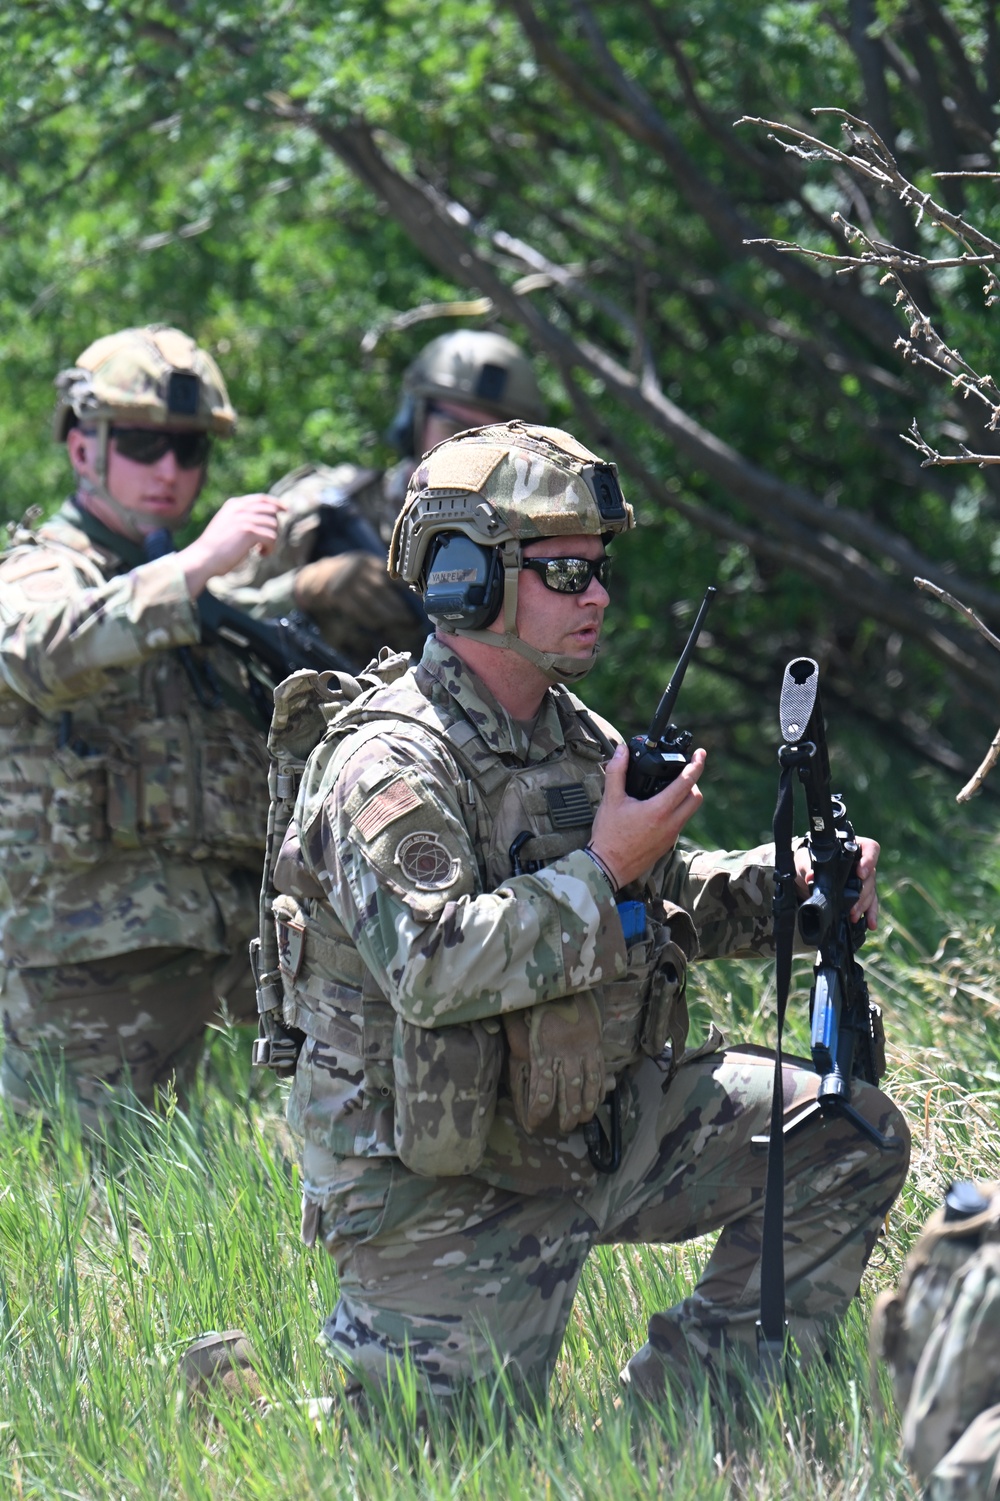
(456, 1272)
(127, 1022)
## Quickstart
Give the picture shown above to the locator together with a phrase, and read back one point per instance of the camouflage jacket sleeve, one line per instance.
(393, 851)
(61, 633)
(729, 894)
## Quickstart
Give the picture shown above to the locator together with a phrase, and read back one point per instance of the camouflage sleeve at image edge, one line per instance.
(392, 849)
(60, 633)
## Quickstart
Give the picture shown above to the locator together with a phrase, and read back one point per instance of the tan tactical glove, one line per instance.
(353, 586)
(557, 1061)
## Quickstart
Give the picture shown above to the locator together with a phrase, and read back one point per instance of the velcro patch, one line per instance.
(569, 806)
(385, 807)
(465, 468)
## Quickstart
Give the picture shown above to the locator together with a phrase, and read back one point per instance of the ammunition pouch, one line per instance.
(165, 783)
(445, 1082)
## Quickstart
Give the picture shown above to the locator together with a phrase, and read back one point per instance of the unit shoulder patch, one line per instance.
(426, 862)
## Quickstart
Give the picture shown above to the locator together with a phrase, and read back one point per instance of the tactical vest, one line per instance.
(140, 764)
(435, 1097)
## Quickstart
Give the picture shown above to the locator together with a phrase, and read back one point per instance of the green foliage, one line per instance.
(178, 162)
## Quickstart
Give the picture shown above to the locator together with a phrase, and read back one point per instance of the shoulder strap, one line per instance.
(772, 1324)
(574, 716)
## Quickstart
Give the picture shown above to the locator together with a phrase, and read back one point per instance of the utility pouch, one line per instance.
(446, 1081)
(232, 821)
(665, 1019)
(151, 787)
(648, 1008)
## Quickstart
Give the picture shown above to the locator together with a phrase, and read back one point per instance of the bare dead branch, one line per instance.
(882, 255)
(869, 158)
(956, 604)
(979, 776)
(931, 458)
(993, 754)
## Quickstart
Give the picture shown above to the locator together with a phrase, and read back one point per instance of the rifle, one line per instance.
(658, 757)
(847, 1040)
(269, 650)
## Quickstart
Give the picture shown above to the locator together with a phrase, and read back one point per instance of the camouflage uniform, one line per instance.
(265, 587)
(131, 815)
(362, 610)
(414, 932)
(449, 1265)
(939, 1332)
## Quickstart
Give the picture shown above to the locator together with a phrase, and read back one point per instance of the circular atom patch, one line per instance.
(426, 862)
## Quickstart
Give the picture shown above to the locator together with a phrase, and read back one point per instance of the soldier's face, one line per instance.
(159, 494)
(446, 418)
(568, 624)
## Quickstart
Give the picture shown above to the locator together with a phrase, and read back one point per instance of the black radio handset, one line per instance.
(658, 757)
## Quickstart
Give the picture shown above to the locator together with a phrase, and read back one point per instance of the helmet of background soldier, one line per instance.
(149, 377)
(470, 367)
(473, 502)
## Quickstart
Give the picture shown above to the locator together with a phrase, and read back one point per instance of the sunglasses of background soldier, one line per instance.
(154, 473)
(147, 445)
(443, 420)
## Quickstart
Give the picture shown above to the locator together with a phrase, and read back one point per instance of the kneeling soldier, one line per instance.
(485, 942)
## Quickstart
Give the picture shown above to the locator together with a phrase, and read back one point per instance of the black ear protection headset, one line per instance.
(463, 583)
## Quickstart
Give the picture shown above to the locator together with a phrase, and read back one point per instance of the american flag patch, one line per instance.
(385, 807)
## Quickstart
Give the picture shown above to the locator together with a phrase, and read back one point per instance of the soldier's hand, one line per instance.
(557, 1061)
(630, 835)
(355, 587)
(866, 905)
(242, 523)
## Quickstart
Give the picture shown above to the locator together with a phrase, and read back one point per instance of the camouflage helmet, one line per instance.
(152, 377)
(500, 487)
(471, 367)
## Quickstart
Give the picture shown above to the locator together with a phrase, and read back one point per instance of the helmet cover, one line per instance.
(149, 377)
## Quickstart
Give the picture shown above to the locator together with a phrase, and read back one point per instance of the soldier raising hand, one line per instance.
(132, 805)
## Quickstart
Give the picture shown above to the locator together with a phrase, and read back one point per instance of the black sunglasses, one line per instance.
(147, 445)
(570, 575)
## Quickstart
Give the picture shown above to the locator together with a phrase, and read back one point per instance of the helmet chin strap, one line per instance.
(553, 667)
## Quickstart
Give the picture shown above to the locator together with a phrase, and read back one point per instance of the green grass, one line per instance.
(114, 1255)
